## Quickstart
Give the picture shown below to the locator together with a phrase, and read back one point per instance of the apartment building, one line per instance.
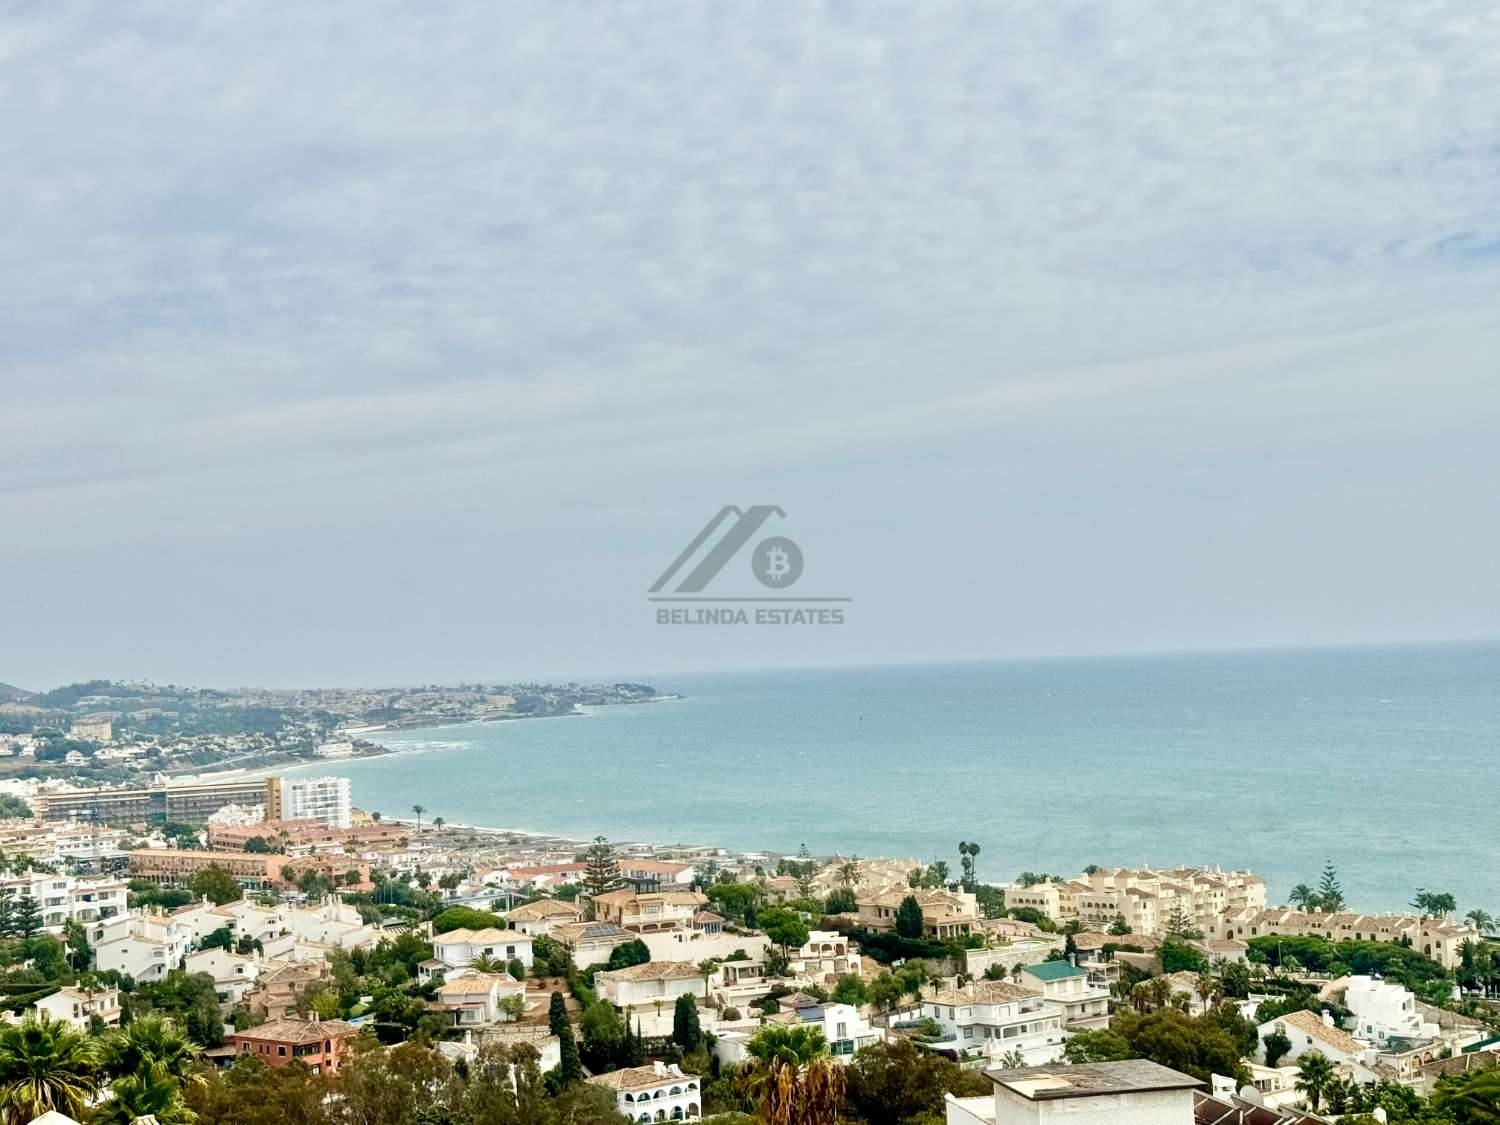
(1149, 901)
(1438, 938)
(140, 944)
(186, 803)
(64, 898)
(321, 799)
(176, 865)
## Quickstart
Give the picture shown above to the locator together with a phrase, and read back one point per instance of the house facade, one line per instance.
(655, 1092)
(1083, 1003)
(991, 1021)
(320, 1044)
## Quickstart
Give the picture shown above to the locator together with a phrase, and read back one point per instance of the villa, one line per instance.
(654, 1092)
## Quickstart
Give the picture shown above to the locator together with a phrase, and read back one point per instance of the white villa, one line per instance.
(1084, 1005)
(76, 1006)
(827, 954)
(655, 1092)
(640, 985)
(458, 949)
(535, 919)
(991, 1021)
(474, 999)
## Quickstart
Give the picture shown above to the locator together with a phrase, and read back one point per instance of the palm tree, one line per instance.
(1315, 1073)
(418, 810)
(148, 1041)
(484, 963)
(1303, 896)
(794, 1080)
(438, 822)
(1014, 1059)
(150, 1092)
(1475, 1096)
(1483, 921)
(45, 1065)
(706, 971)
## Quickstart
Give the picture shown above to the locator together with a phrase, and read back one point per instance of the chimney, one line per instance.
(1327, 1018)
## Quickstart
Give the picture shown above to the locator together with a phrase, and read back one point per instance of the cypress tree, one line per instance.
(687, 1032)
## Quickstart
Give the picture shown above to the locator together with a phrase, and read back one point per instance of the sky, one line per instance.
(362, 343)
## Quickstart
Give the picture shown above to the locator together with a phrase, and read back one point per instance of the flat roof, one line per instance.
(1051, 1083)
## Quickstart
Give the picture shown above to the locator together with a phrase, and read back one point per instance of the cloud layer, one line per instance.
(319, 310)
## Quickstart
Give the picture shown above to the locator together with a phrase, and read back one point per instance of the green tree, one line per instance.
(45, 1065)
(1179, 957)
(1100, 1045)
(151, 1040)
(850, 989)
(26, 918)
(899, 1083)
(1275, 1045)
(1315, 1072)
(602, 873)
(626, 954)
(1330, 894)
(1472, 1098)
(417, 811)
(687, 1032)
(909, 918)
(466, 918)
(151, 1092)
(1303, 897)
(215, 884)
(783, 927)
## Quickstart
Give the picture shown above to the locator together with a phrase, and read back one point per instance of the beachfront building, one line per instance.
(990, 1021)
(1136, 1091)
(945, 914)
(655, 981)
(1437, 938)
(650, 912)
(1084, 1005)
(1149, 901)
(321, 799)
(655, 1092)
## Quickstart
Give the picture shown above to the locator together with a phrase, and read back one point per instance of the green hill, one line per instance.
(11, 694)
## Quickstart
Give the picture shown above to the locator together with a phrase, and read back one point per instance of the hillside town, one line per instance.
(275, 933)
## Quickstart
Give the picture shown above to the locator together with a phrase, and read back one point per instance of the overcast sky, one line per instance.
(357, 343)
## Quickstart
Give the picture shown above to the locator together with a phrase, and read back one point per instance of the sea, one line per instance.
(1379, 760)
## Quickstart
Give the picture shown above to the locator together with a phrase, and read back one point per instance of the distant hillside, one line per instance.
(12, 694)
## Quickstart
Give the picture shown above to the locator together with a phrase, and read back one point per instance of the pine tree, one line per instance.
(27, 917)
(1330, 894)
(603, 872)
(687, 1032)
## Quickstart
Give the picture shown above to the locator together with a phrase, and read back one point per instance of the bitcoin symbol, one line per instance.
(777, 562)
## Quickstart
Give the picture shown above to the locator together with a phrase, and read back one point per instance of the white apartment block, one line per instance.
(1384, 1010)
(324, 799)
(1148, 900)
(64, 898)
(140, 944)
(991, 1021)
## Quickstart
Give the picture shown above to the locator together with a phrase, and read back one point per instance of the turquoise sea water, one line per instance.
(1380, 759)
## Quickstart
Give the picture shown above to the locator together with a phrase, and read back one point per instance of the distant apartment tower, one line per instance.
(324, 799)
(92, 728)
